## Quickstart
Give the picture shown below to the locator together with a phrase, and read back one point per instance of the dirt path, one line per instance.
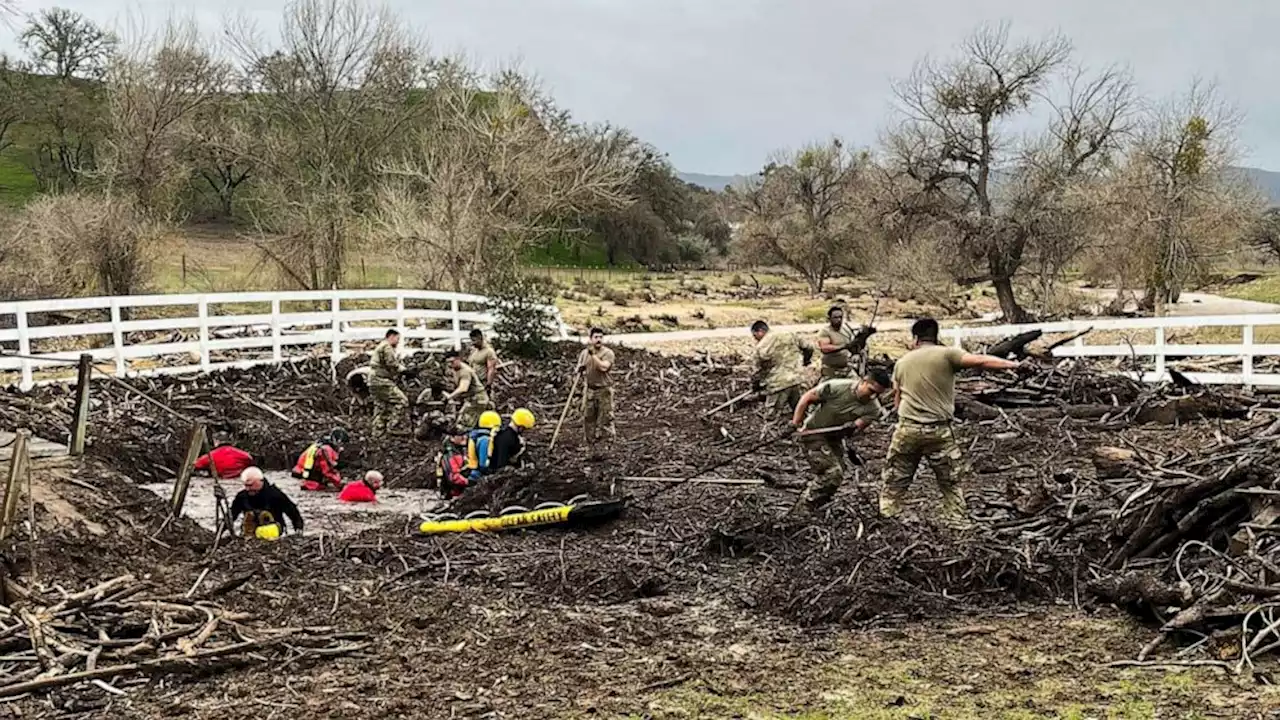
(1199, 303)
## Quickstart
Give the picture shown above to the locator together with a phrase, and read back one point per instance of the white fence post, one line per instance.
(203, 314)
(457, 324)
(400, 313)
(336, 349)
(24, 348)
(277, 355)
(1247, 355)
(1160, 346)
(117, 336)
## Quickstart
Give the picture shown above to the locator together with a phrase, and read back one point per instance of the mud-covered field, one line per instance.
(702, 601)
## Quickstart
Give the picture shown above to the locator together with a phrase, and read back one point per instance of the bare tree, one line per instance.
(154, 91)
(223, 147)
(65, 44)
(63, 106)
(1183, 204)
(1264, 234)
(803, 211)
(15, 99)
(328, 105)
(495, 168)
(958, 145)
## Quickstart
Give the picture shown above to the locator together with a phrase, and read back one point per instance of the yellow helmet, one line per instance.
(522, 418)
(490, 419)
(268, 532)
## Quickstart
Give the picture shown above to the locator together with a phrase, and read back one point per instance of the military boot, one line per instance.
(890, 502)
(955, 514)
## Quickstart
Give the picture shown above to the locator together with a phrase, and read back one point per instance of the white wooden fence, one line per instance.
(223, 330)
(1160, 351)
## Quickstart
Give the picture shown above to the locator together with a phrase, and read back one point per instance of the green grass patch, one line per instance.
(17, 183)
(1266, 289)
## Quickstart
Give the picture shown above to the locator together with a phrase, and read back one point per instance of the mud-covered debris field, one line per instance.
(1086, 488)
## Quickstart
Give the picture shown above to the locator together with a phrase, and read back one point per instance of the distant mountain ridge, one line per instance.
(712, 182)
(1267, 181)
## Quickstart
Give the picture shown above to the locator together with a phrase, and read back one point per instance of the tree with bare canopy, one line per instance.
(495, 168)
(155, 89)
(803, 210)
(961, 145)
(328, 104)
(1177, 200)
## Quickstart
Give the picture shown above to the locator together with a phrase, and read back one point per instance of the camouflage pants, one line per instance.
(825, 454)
(835, 373)
(597, 413)
(389, 404)
(784, 401)
(937, 445)
(469, 413)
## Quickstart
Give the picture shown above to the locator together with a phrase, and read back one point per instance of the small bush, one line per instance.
(524, 305)
(65, 245)
(737, 281)
(615, 296)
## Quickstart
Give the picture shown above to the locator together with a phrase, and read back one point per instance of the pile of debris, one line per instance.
(118, 631)
(1156, 497)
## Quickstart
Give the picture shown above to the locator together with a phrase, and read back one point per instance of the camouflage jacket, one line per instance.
(384, 363)
(779, 360)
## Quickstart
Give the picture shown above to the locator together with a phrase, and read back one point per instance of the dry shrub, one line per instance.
(920, 270)
(78, 244)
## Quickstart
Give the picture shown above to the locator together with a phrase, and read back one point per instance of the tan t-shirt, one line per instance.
(839, 404)
(926, 380)
(479, 361)
(593, 375)
(466, 376)
(839, 338)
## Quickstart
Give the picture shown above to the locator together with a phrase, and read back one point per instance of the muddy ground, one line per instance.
(704, 601)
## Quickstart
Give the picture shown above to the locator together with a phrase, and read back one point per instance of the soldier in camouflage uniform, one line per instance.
(924, 394)
(842, 406)
(389, 401)
(838, 343)
(780, 359)
(595, 363)
(469, 390)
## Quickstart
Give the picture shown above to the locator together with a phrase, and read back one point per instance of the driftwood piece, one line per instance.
(1015, 346)
(1134, 587)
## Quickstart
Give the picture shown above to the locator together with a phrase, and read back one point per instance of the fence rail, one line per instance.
(214, 331)
(222, 330)
(1159, 351)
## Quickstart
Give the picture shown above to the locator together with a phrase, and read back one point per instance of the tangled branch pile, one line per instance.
(117, 631)
(1085, 484)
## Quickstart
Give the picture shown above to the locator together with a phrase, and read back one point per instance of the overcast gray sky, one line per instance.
(718, 84)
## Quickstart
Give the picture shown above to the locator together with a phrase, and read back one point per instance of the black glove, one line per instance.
(757, 385)
(806, 354)
(852, 453)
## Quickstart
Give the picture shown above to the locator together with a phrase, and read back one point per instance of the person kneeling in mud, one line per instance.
(451, 464)
(841, 407)
(364, 490)
(262, 504)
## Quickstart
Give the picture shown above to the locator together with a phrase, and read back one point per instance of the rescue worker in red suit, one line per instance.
(226, 459)
(364, 491)
(317, 466)
(451, 464)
